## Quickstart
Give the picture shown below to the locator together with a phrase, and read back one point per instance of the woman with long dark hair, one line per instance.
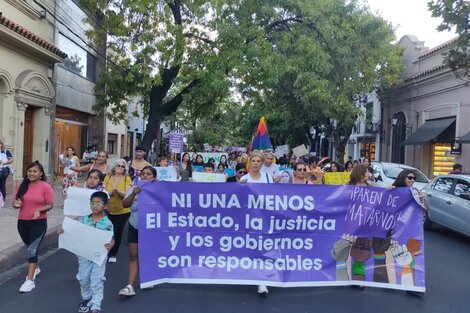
(148, 173)
(34, 198)
(184, 168)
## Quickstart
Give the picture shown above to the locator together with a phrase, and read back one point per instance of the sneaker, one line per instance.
(112, 259)
(263, 290)
(127, 291)
(27, 286)
(37, 271)
(83, 306)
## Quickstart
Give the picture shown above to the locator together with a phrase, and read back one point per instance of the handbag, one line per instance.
(4, 172)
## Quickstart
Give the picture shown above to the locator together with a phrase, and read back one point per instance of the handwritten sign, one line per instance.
(176, 143)
(336, 178)
(166, 173)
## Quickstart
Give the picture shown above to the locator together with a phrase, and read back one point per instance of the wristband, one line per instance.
(359, 268)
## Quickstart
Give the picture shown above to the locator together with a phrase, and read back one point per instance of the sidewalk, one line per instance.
(12, 251)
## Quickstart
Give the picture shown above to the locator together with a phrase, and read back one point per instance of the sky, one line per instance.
(411, 17)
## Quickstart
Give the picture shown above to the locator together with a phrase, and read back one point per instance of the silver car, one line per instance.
(449, 202)
(387, 173)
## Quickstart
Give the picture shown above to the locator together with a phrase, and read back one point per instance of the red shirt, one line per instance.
(38, 195)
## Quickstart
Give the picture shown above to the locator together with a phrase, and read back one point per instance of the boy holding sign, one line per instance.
(90, 274)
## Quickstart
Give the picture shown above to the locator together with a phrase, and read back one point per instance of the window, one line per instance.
(443, 184)
(79, 60)
(112, 143)
(461, 188)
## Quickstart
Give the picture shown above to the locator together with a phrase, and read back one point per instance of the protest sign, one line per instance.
(166, 173)
(336, 178)
(77, 202)
(85, 241)
(280, 235)
(300, 151)
(208, 177)
(176, 143)
(197, 168)
(287, 175)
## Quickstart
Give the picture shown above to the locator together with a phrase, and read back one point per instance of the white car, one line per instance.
(388, 172)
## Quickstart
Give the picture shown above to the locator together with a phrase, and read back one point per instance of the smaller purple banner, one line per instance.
(281, 235)
(176, 143)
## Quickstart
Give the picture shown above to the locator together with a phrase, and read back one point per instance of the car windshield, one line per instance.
(393, 171)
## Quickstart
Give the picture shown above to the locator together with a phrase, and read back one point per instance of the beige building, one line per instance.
(427, 116)
(27, 58)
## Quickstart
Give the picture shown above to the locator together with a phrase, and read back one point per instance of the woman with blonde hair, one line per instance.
(256, 160)
(117, 184)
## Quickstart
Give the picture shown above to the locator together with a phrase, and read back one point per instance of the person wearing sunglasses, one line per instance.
(240, 170)
(300, 174)
(407, 178)
(117, 184)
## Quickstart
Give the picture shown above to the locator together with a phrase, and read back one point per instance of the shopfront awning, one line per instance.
(464, 139)
(433, 130)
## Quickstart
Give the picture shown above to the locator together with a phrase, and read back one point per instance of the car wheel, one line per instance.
(427, 221)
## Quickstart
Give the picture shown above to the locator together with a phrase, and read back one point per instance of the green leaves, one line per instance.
(298, 62)
(455, 15)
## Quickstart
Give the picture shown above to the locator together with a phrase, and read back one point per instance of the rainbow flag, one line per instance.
(261, 139)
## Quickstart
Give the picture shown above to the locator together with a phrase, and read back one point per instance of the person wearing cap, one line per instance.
(240, 170)
(138, 163)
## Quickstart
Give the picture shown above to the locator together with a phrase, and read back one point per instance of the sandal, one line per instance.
(127, 291)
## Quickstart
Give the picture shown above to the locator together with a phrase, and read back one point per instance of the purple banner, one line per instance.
(176, 143)
(280, 235)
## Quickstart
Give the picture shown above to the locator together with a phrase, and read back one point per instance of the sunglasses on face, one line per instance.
(411, 177)
(122, 166)
(301, 170)
(241, 172)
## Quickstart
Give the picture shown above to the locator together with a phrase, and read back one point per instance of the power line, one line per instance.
(74, 33)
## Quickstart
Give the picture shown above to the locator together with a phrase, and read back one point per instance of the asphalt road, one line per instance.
(447, 284)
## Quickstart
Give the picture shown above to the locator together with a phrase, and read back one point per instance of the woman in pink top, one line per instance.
(34, 198)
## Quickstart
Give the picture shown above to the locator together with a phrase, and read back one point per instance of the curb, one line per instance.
(15, 255)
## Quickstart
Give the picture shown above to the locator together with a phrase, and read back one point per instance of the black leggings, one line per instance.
(3, 186)
(32, 232)
(118, 223)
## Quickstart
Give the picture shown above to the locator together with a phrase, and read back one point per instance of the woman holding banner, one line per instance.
(256, 160)
(130, 200)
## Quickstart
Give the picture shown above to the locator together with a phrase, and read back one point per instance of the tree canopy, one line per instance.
(301, 62)
(455, 14)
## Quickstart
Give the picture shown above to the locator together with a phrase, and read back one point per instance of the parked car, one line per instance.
(449, 202)
(387, 173)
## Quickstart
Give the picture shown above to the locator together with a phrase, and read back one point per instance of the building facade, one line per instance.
(367, 133)
(77, 124)
(27, 58)
(428, 114)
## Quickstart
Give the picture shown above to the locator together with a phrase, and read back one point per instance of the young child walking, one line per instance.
(91, 275)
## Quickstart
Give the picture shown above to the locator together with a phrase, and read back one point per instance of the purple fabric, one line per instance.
(222, 254)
